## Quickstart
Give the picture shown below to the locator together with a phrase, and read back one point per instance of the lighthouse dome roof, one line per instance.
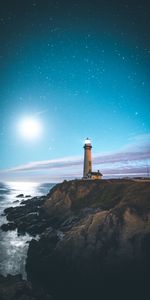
(87, 141)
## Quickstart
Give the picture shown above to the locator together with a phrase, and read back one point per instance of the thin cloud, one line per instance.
(48, 164)
(109, 158)
(38, 113)
(133, 159)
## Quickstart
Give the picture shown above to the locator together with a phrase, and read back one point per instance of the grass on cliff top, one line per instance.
(104, 195)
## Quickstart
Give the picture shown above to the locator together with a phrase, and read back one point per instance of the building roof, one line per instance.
(96, 173)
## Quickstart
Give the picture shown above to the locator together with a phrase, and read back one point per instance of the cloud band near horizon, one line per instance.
(132, 159)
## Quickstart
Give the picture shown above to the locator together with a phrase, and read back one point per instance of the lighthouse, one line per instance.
(87, 167)
(87, 158)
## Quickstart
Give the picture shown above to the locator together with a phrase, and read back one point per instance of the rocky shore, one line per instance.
(29, 217)
(93, 239)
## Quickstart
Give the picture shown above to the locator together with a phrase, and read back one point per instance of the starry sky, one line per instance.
(82, 68)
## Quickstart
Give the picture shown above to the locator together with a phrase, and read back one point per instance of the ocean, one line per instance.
(13, 248)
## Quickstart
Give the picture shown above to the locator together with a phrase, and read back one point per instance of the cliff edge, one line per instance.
(98, 240)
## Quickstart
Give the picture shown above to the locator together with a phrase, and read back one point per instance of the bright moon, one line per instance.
(30, 128)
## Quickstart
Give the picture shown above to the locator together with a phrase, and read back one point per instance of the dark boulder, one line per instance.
(16, 201)
(20, 196)
(8, 226)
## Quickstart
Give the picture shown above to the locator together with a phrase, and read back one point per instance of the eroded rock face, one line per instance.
(103, 236)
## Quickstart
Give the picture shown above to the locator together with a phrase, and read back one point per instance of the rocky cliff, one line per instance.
(101, 237)
(94, 239)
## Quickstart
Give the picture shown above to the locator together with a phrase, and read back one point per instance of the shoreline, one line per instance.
(85, 227)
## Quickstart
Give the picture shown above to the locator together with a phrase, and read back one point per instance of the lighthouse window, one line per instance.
(89, 163)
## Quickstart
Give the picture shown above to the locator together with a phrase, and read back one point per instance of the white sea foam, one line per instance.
(13, 248)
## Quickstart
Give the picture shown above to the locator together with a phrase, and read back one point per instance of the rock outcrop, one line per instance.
(102, 237)
(28, 217)
(95, 239)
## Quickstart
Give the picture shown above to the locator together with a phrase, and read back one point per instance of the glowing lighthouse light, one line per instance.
(87, 141)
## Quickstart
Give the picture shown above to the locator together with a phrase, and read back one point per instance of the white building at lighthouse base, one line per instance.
(93, 175)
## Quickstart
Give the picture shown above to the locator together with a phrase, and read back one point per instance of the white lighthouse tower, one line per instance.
(87, 168)
(87, 158)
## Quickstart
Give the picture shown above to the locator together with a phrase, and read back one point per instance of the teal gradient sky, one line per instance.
(82, 69)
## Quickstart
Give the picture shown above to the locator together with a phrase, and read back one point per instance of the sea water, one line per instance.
(13, 248)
